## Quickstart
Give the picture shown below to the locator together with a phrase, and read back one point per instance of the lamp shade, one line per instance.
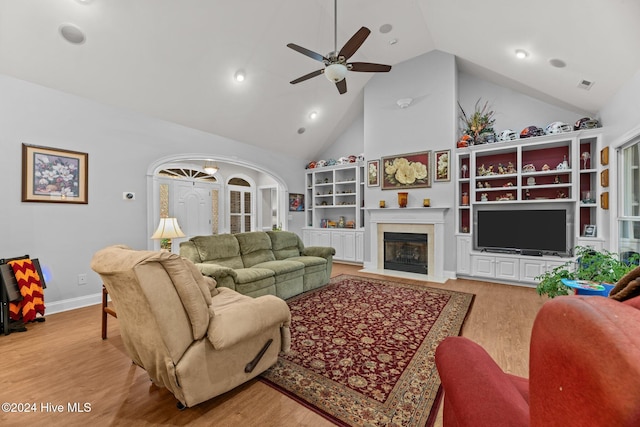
(168, 229)
(335, 72)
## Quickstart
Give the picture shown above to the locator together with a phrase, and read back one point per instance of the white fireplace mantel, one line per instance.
(429, 220)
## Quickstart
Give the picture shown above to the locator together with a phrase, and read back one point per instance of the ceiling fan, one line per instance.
(336, 65)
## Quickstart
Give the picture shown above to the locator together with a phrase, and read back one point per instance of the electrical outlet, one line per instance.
(82, 279)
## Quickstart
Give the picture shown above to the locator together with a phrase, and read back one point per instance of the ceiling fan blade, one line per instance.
(307, 76)
(307, 52)
(342, 86)
(354, 43)
(368, 67)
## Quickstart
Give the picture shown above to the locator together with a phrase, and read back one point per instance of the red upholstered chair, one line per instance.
(584, 370)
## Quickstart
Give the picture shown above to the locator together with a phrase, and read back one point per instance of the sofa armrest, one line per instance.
(476, 388)
(218, 272)
(319, 251)
(246, 319)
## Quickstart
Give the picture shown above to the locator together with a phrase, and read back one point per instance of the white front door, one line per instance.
(193, 208)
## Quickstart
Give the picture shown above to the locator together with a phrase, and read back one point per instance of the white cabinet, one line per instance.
(463, 254)
(334, 209)
(359, 246)
(483, 266)
(507, 268)
(319, 238)
(560, 171)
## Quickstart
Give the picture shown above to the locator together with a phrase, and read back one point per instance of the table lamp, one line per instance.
(167, 230)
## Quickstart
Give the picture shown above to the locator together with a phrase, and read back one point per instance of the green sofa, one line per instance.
(260, 263)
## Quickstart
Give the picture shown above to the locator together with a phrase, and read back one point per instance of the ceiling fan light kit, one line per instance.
(336, 65)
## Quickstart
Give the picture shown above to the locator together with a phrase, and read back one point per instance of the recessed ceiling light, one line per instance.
(385, 28)
(301, 131)
(313, 115)
(72, 34)
(521, 54)
(558, 63)
(239, 76)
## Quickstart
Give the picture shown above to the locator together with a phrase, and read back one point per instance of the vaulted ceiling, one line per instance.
(175, 59)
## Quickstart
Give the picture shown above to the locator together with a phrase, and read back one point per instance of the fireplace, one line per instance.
(429, 221)
(406, 252)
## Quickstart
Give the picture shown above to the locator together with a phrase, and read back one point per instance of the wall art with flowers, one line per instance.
(403, 171)
(54, 175)
(442, 160)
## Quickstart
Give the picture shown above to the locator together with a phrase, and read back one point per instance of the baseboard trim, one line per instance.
(72, 303)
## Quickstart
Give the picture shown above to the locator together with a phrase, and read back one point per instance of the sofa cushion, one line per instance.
(284, 269)
(248, 275)
(285, 244)
(255, 247)
(311, 263)
(221, 248)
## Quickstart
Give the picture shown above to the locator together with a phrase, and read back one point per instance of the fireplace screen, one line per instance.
(406, 252)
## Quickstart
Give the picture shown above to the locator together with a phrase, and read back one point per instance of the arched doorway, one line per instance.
(179, 187)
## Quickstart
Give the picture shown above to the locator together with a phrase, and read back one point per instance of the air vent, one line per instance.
(585, 84)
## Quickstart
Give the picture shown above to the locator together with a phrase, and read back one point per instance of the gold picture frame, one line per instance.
(54, 175)
(604, 156)
(404, 171)
(604, 178)
(442, 169)
(604, 200)
(373, 173)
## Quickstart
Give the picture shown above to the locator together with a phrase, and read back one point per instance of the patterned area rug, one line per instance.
(362, 350)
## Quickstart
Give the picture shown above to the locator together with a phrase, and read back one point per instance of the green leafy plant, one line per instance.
(597, 266)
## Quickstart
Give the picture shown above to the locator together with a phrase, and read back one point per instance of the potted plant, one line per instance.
(597, 266)
(481, 121)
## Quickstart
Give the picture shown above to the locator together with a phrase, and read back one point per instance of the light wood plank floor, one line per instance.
(64, 361)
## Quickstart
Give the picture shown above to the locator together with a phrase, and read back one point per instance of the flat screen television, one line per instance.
(526, 231)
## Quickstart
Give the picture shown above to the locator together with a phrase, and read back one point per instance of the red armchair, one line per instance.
(584, 370)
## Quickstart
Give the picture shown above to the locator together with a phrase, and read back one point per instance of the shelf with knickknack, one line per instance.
(558, 171)
(335, 215)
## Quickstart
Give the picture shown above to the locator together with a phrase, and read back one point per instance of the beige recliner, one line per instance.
(197, 340)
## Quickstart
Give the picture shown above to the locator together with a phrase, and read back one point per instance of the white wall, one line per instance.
(351, 142)
(121, 146)
(621, 120)
(513, 110)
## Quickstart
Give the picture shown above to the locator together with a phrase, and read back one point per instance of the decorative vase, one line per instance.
(402, 199)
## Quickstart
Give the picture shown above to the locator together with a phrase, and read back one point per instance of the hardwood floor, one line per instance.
(63, 361)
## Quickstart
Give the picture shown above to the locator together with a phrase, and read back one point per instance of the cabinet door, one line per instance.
(463, 254)
(349, 246)
(359, 246)
(531, 268)
(306, 237)
(483, 266)
(337, 241)
(507, 268)
(320, 238)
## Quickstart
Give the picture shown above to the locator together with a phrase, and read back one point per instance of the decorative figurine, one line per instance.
(511, 168)
(487, 185)
(585, 156)
(546, 167)
(464, 170)
(479, 185)
(527, 195)
(556, 180)
(484, 197)
(529, 168)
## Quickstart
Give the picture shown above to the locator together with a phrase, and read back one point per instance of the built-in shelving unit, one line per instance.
(561, 169)
(334, 210)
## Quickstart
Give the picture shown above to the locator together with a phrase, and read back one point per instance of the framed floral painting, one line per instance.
(373, 173)
(442, 161)
(412, 170)
(53, 175)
